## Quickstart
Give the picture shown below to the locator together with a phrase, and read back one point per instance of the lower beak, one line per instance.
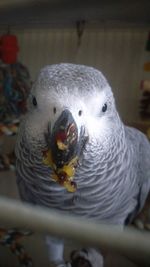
(64, 139)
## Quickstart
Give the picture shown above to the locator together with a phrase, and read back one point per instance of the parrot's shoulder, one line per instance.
(136, 137)
(139, 150)
(138, 147)
(139, 144)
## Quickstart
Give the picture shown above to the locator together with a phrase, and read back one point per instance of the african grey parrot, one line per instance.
(75, 155)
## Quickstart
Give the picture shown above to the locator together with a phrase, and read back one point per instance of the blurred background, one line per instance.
(113, 36)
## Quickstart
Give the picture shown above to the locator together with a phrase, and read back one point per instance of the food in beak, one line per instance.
(63, 149)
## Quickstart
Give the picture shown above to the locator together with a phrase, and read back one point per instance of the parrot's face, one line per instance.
(70, 104)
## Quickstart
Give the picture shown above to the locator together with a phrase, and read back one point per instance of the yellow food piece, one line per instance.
(69, 170)
(48, 160)
(61, 145)
(67, 184)
(69, 187)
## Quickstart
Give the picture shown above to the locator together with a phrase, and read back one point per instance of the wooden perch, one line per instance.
(43, 220)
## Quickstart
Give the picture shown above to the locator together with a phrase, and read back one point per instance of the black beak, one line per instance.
(64, 139)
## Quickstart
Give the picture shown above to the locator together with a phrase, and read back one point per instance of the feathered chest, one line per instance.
(102, 179)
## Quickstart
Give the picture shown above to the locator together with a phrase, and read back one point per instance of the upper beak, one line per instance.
(64, 139)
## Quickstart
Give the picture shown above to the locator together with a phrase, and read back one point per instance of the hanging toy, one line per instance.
(11, 238)
(9, 48)
(15, 80)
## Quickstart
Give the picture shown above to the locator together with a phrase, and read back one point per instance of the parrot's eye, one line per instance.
(34, 101)
(54, 110)
(80, 112)
(104, 108)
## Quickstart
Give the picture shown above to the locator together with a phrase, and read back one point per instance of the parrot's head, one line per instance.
(70, 105)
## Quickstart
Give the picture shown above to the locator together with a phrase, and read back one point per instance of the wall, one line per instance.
(119, 53)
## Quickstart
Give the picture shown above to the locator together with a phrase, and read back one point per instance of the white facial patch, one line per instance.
(86, 109)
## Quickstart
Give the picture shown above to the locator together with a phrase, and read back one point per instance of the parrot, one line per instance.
(75, 155)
